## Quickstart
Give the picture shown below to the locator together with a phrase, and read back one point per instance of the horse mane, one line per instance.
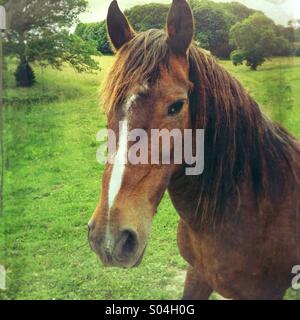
(240, 143)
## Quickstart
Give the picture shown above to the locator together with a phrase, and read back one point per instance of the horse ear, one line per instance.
(118, 27)
(180, 27)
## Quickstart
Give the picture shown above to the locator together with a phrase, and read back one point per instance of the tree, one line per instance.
(148, 16)
(96, 32)
(38, 32)
(213, 25)
(213, 22)
(254, 39)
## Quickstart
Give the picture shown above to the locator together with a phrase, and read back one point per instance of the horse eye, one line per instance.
(175, 108)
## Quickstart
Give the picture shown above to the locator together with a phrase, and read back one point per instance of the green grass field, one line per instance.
(52, 183)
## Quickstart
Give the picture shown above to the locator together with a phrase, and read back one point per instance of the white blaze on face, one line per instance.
(120, 159)
(119, 165)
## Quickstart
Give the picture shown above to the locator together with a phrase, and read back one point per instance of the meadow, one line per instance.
(52, 183)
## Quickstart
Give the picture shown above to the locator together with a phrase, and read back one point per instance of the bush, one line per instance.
(24, 75)
(237, 57)
(297, 52)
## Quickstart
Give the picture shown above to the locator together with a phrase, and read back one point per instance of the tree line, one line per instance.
(228, 30)
(39, 33)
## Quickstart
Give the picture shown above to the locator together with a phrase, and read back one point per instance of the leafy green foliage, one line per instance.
(38, 32)
(78, 54)
(297, 53)
(212, 24)
(297, 35)
(27, 15)
(141, 17)
(237, 57)
(258, 38)
(202, 39)
(238, 11)
(103, 42)
(255, 39)
(148, 16)
(283, 47)
(96, 32)
(287, 33)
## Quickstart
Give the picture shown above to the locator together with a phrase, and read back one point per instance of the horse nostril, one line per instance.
(128, 242)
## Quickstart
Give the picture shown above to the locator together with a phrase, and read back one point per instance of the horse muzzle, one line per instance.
(123, 249)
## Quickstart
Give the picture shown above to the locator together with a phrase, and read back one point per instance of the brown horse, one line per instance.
(240, 223)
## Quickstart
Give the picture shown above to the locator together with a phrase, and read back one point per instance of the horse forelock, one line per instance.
(137, 65)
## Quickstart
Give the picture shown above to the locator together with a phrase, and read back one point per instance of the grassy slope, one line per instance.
(276, 86)
(52, 182)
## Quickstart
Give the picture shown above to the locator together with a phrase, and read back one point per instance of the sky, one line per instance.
(281, 11)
